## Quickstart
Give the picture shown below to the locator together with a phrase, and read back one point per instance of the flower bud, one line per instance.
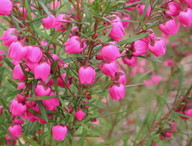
(80, 115)
(86, 74)
(59, 132)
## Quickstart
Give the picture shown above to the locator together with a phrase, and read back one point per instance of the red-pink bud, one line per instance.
(15, 130)
(73, 45)
(109, 69)
(86, 74)
(42, 71)
(5, 7)
(110, 52)
(117, 91)
(59, 132)
(80, 115)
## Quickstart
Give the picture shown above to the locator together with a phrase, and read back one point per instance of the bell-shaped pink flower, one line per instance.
(18, 73)
(109, 69)
(86, 74)
(80, 115)
(117, 30)
(188, 113)
(130, 61)
(110, 52)
(120, 77)
(173, 8)
(5, 7)
(158, 48)
(15, 130)
(141, 10)
(59, 132)
(185, 17)
(60, 20)
(140, 47)
(48, 22)
(42, 90)
(74, 45)
(117, 91)
(8, 37)
(17, 109)
(170, 27)
(34, 54)
(52, 103)
(42, 71)
(17, 51)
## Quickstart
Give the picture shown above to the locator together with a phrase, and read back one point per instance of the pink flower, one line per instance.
(185, 17)
(59, 132)
(60, 19)
(15, 130)
(42, 90)
(18, 121)
(17, 51)
(141, 10)
(188, 113)
(74, 45)
(109, 69)
(52, 103)
(8, 37)
(158, 48)
(188, 2)
(155, 80)
(140, 47)
(117, 91)
(16, 108)
(49, 22)
(173, 8)
(86, 74)
(110, 52)
(80, 115)
(5, 7)
(170, 27)
(18, 73)
(117, 31)
(42, 71)
(62, 81)
(130, 61)
(120, 77)
(34, 54)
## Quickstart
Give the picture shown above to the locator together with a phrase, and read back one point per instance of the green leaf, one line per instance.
(43, 110)
(13, 93)
(30, 141)
(12, 83)
(151, 59)
(133, 38)
(39, 98)
(6, 60)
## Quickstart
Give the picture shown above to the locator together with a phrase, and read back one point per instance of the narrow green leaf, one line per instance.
(30, 141)
(43, 110)
(151, 59)
(6, 60)
(133, 38)
(13, 93)
(39, 98)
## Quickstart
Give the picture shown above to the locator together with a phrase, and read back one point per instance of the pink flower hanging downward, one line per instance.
(5, 7)
(80, 115)
(15, 130)
(117, 91)
(86, 74)
(59, 132)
